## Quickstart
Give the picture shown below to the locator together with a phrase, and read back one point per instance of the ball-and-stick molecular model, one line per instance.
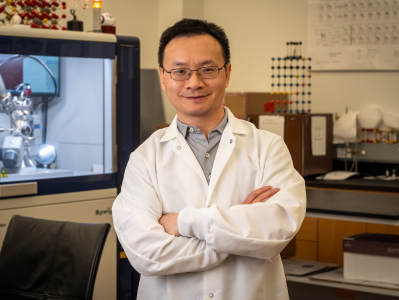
(290, 75)
(44, 14)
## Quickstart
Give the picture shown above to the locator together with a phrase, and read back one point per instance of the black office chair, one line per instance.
(50, 260)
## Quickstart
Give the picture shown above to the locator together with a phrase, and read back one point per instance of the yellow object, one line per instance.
(3, 174)
(8, 3)
(297, 75)
(271, 93)
(122, 255)
(290, 93)
(96, 4)
(284, 93)
(278, 93)
(303, 58)
(45, 20)
(14, 9)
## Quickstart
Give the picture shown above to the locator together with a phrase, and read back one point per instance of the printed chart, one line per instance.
(353, 34)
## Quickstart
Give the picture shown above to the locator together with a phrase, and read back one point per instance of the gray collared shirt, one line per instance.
(203, 149)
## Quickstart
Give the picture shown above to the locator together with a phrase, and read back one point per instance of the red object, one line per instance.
(303, 84)
(309, 111)
(64, 7)
(33, 25)
(54, 27)
(12, 3)
(362, 141)
(108, 29)
(44, 14)
(296, 93)
(362, 129)
(28, 92)
(1, 9)
(269, 107)
(309, 76)
(63, 3)
(284, 101)
(290, 101)
(371, 129)
(63, 16)
(63, 28)
(55, 16)
(278, 101)
(44, 26)
(272, 101)
(55, 3)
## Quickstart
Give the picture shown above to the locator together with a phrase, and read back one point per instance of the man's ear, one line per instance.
(228, 71)
(161, 78)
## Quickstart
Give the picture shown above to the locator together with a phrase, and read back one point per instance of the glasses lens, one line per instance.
(180, 74)
(209, 72)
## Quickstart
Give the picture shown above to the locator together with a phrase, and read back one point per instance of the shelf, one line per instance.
(348, 286)
(352, 218)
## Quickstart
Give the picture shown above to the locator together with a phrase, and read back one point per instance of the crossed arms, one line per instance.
(209, 235)
(170, 221)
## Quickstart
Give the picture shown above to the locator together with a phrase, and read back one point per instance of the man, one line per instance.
(197, 215)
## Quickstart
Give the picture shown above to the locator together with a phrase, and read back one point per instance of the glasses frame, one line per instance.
(191, 72)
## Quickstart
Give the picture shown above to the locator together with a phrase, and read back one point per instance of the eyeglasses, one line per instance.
(204, 73)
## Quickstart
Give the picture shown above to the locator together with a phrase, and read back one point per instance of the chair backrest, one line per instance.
(42, 259)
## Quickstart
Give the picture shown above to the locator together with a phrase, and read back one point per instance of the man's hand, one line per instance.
(169, 223)
(261, 195)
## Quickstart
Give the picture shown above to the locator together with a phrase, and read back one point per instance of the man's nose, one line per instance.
(195, 81)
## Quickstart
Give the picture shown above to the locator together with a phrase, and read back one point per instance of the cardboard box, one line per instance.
(372, 257)
(244, 104)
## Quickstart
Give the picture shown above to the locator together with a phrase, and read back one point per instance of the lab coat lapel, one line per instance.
(226, 147)
(181, 148)
(223, 154)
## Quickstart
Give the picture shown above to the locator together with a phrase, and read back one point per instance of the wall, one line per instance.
(133, 18)
(259, 30)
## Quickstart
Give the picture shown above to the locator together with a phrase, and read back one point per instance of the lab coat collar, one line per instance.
(234, 124)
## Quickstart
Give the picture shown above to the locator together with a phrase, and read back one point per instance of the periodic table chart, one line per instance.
(353, 34)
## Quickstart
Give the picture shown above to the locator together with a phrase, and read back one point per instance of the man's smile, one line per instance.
(195, 97)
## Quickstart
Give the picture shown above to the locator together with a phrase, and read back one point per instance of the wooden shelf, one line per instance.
(352, 218)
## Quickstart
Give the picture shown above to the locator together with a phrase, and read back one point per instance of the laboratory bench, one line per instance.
(337, 209)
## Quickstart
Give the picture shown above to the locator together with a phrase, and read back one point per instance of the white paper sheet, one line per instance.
(273, 124)
(319, 135)
(353, 35)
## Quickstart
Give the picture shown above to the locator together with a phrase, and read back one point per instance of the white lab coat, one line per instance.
(227, 250)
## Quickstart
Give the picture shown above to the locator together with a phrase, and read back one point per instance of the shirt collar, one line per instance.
(184, 127)
(236, 127)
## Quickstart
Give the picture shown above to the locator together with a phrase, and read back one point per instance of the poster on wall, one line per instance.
(353, 34)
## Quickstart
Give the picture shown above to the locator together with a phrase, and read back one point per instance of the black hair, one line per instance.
(193, 27)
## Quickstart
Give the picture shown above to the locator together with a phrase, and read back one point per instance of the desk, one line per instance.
(337, 209)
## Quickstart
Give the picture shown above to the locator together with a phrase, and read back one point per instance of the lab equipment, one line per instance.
(290, 80)
(74, 24)
(108, 23)
(66, 140)
(97, 16)
(19, 148)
